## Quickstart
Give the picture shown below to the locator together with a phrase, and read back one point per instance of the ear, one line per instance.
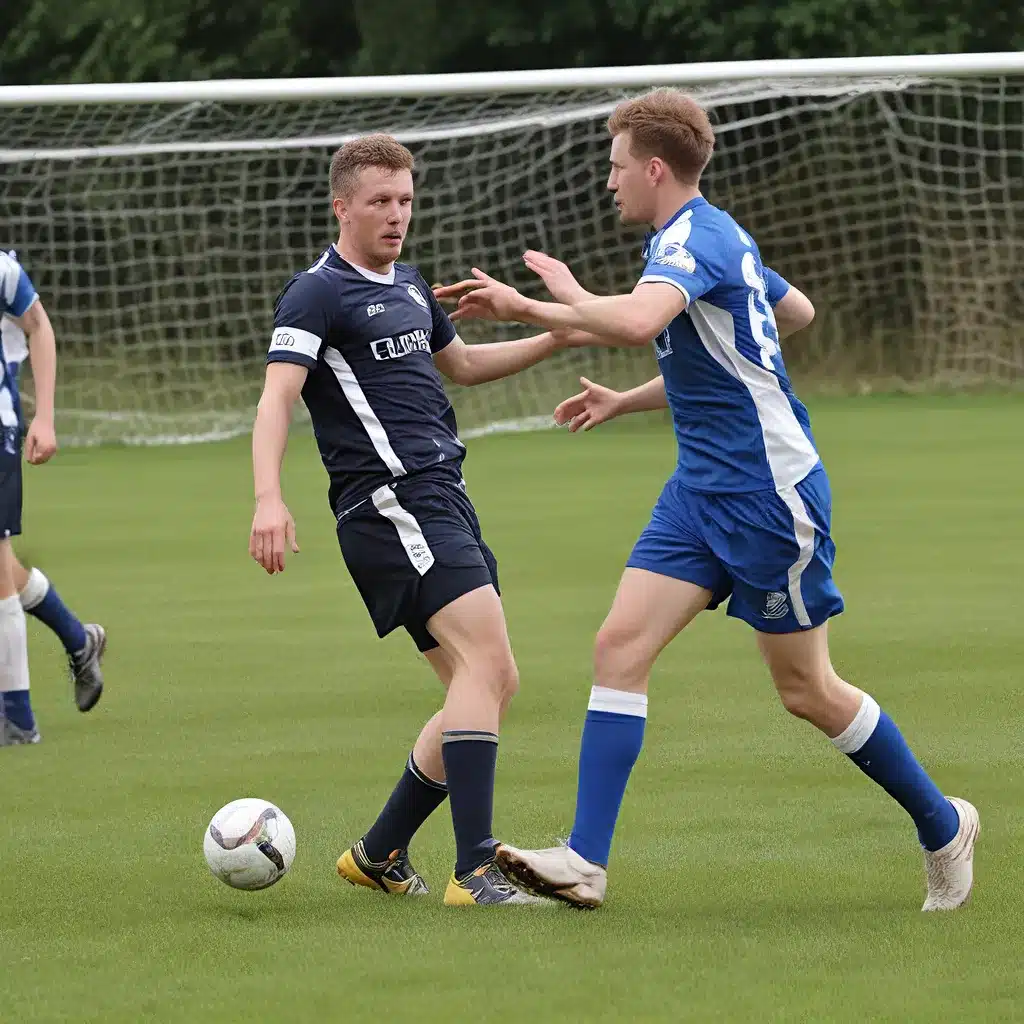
(340, 209)
(657, 170)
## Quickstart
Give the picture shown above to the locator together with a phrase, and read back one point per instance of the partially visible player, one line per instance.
(84, 644)
(18, 299)
(362, 339)
(746, 516)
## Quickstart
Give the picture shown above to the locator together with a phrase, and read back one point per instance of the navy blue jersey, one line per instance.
(738, 423)
(377, 402)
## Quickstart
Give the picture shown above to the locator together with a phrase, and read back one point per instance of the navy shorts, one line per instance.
(412, 548)
(769, 552)
(10, 495)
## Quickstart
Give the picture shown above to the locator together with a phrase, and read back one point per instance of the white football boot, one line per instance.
(951, 869)
(559, 873)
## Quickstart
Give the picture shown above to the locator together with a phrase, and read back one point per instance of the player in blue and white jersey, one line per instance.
(362, 339)
(83, 643)
(746, 516)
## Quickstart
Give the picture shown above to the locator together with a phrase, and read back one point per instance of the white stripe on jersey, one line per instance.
(10, 275)
(409, 531)
(790, 455)
(320, 262)
(13, 341)
(361, 407)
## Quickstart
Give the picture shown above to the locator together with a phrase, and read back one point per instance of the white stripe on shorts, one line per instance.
(804, 530)
(409, 532)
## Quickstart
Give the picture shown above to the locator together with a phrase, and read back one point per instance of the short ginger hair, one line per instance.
(377, 150)
(667, 123)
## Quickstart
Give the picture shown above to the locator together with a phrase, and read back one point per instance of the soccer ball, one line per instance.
(249, 844)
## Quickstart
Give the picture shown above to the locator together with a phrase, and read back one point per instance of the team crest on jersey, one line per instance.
(417, 295)
(663, 345)
(776, 605)
(676, 255)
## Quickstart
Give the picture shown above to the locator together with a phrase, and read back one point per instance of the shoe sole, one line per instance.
(96, 694)
(519, 870)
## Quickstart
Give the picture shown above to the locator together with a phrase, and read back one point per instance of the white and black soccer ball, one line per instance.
(249, 844)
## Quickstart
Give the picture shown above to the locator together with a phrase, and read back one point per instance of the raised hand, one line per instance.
(557, 277)
(273, 529)
(486, 298)
(593, 405)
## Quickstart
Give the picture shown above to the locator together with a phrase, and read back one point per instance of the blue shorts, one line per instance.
(769, 552)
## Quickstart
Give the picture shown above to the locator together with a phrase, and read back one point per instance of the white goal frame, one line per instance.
(54, 129)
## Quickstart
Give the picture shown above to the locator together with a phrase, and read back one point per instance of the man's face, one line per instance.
(631, 181)
(375, 216)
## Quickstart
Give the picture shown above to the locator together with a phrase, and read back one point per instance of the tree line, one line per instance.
(51, 41)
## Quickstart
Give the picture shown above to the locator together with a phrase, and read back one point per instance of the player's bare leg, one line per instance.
(810, 688)
(649, 610)
(471, 631)
(84, 643)
(419, 792)
(380, 859)
(17, 723)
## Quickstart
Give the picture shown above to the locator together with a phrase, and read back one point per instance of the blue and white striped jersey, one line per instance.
(738, 424)
(16, 296)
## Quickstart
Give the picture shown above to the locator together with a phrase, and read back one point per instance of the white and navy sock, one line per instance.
(14, 684)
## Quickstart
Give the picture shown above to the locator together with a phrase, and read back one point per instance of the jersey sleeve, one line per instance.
(775, 286)
(444, 330)
(16, 290)
(687, 257)
(302, 316)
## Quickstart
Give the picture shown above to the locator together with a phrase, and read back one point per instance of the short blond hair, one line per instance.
(667, 123)
(377, 150)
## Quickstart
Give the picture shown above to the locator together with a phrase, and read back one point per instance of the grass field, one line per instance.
(757, 875)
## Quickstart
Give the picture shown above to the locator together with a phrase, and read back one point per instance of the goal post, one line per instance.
(159, 221)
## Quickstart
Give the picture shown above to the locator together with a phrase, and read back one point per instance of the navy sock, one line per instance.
(18, 708)
(413, 800)
(613, 735)
(40, 599)
(470, 758)
(878, 749)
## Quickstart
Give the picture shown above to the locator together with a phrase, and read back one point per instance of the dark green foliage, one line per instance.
(44, 41)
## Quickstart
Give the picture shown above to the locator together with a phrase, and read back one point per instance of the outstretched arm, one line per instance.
(625, 320)
(478, 364)
(596, 404)
(272, 524)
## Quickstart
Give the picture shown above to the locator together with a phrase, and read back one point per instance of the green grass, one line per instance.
(757, 876)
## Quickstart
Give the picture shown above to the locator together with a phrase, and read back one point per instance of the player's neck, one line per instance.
(359, 259)
(672, 202)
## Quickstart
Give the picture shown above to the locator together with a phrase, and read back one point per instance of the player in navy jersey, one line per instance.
(362, 339)
(745, 517)
(83, 643)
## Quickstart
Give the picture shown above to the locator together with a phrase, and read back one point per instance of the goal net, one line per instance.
(159, 231)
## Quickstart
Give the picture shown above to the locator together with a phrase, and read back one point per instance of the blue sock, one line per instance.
(41, 600)
(612, 737)
(470, 758)
(874, 744)
(18, 708)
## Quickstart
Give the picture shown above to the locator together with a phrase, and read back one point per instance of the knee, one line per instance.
(621, 656)
(508, 680)
(803, 692)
